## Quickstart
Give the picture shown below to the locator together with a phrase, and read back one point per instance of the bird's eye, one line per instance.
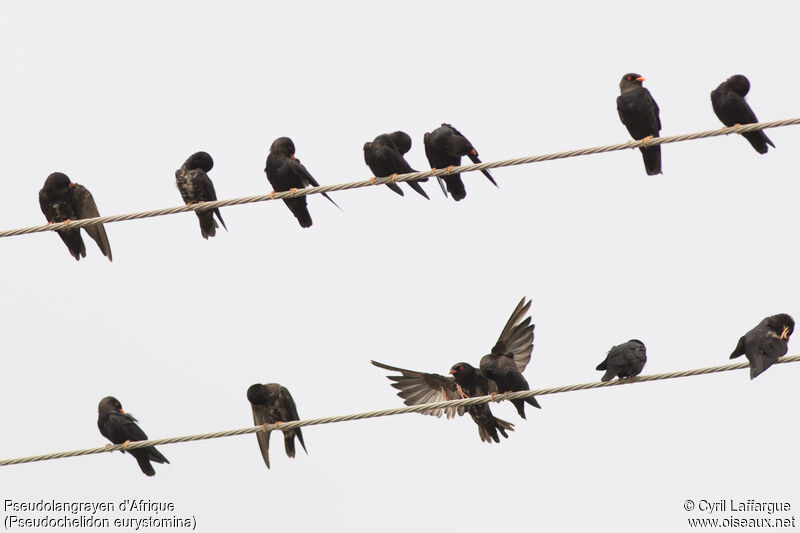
(629, 78)
(461, 367)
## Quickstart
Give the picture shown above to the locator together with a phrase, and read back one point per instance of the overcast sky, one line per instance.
(178, 327)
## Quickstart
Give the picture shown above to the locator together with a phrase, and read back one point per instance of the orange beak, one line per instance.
(474, 152)
(293, 157)
(640, 78)
(121, 411)
(72, 184)
(453, 372)
(785, 333)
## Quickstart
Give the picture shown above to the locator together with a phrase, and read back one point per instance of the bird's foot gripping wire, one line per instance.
(292, 191)
(393, 177)
(272, 195)
(461, 392)
(450, 168)
(372, 180)
(125, 445)
(648, 138)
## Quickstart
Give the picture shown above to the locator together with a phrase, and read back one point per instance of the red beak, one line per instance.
(640, 79)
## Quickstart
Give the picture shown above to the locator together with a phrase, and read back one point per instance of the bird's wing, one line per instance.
(473, 155)
(289, 408)
(306, 178)
(261, 417)
(44, 207)
(210, 194)
(656, 110)
(418, 388)
(739, 350)
(121, 427)
(744, 112)
(516, 339)
(87, 208)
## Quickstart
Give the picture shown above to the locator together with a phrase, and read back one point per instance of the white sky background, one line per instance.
(177, 328)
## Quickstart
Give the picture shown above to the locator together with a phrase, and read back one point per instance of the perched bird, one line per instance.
(510, 355)
(418, 388)
(64, 201)
(286, 173)
(624, 360)
(732, 109)
(120, 428)
(195, 186)
(444, 147)
(639, 113)
(384, 157)
(272, 404)
(766, 343)
(513, 349)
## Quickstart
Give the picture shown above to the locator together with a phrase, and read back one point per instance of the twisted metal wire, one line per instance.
(389, 412)
(413, 176)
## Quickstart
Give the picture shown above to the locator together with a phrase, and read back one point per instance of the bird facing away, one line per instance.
(120, 428)
(384, 157)
(624, 360)
(639, 113)
(417, 388)
(64, 201)
(510, 355)
(766, 343)
(732, 109)
(286, 173)
(444, 147)
(195, 186)
(273, 404)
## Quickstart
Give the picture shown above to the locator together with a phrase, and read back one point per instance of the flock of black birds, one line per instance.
(64, 201)
(498, 372)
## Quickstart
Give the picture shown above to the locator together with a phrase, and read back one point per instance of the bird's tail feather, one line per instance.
(455, 186)
(758, 140)
(652, 159)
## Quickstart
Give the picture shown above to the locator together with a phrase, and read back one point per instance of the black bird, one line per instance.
(732, 109)
(384, 157)
(444, 147)
(63, 201)
(286, 173)
(639, 113)
(195, 186)
(418, 388)
(765, 343)
(273, 404)
(120, 428)
(510, 355)
(513, 348)
(624, 360)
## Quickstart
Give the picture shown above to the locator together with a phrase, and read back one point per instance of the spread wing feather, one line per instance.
(417, 388)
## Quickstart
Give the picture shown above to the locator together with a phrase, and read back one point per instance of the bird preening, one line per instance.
(384, 157)
(286, 173)
(272, 404)
(766, 343)
(444, 147)
(195, 186)
(120, 428)
(732, 109)
(61, 200)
